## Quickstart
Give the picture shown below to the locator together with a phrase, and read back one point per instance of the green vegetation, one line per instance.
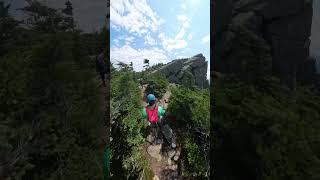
(127, 160)
(265, 133)
(189, 106)
(156, 84)
(261, 129)
(191, 109)
(51, 113)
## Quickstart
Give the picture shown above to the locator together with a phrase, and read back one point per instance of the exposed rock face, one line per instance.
(191, 71)
(282, 27)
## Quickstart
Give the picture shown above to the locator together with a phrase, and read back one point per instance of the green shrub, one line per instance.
(191, 106)
(197, 163)
(191, 109)
(265, 134)
(127, 127)
(157, 85)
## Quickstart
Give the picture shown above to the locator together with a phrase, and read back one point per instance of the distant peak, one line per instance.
(198, 55)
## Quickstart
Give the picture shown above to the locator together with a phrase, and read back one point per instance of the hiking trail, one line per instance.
(162, 159)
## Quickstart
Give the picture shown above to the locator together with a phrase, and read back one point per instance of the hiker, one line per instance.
(154, 115)
(101, 68)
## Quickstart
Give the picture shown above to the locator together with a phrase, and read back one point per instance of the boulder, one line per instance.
(282, 26)
(177, 155)
(156, 177)
(189, 72)
(154, 151)
(171, 153)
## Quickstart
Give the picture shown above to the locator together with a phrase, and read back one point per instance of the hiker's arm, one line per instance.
(162, 112)
(144, 114)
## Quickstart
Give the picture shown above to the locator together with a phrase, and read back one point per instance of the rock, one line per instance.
(169, 162)
(155, 177)
(167, 131)
(150, 138)
(283, 27)
(173, 167)
(171, 153)
(177, 155)
(189, 72)
(154, 151)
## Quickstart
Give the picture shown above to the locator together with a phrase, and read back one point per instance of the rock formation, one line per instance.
(281, 29)
(190, 71)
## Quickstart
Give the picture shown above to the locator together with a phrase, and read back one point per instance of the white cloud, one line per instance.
(136, 56)
(150, 40)
(206, 39)
(194, 3)
(184, 6)
(130, 39)
(126, 39)
(181, 57)
(136, 16)
(172, 43)
(191, 3)
(182, 17)
(181, 34)
(177, 42)
(190, 37)
(184, 20)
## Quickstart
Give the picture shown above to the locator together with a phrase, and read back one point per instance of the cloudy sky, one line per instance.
(159, 30)
(90, 15)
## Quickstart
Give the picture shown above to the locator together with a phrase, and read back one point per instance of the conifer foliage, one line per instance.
(51, 110)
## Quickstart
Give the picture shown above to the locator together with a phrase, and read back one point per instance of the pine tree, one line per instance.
(147, 64)
(68, 13)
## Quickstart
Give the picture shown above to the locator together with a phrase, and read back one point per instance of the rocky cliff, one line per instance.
(190, 71)
(254, 36)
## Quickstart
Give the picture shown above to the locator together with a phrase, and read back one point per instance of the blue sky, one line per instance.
(159, 30)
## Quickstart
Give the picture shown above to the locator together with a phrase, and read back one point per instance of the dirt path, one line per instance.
(163, 160)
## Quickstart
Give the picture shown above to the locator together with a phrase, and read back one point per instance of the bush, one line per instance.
(191, 109)
(156, 84)
(191, 106)
(127, 128)
(55, 115)
(265, 134)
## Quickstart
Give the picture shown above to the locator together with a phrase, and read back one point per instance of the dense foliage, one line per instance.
(51, 117)
(156, 84)
(190, 107)
(265, 133)
(127, 159)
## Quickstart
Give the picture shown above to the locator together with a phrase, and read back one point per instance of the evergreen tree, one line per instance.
(51, 120)
(146, 64)
(68, 13)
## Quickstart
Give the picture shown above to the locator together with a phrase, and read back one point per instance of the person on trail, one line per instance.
(154, 115)
(101, 68)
